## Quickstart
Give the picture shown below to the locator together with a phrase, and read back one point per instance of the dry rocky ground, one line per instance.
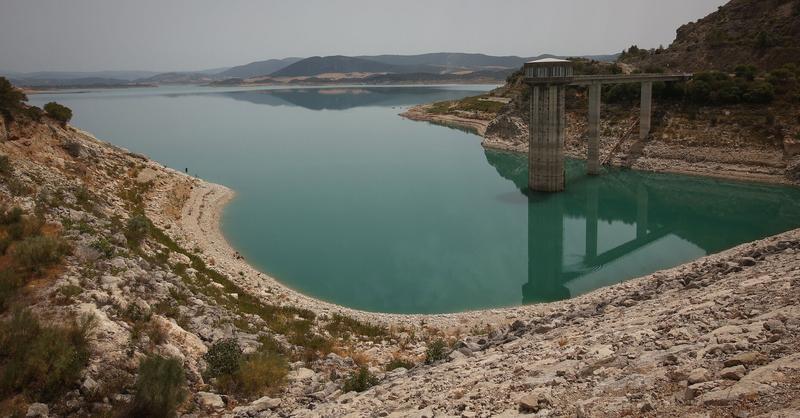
(716, 337)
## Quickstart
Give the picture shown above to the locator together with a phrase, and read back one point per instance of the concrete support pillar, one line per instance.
(646, 109)
(641, 212)
(593, 154)
(546, 145)
(592, 197)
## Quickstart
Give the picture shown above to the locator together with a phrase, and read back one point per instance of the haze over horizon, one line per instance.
(184, 35)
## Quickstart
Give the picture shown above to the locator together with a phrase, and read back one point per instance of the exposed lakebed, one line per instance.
(343, 200)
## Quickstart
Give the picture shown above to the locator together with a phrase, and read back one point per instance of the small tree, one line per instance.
(58, 112)
(160, 387)
(11, 98)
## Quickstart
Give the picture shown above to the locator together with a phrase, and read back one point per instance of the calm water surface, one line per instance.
(341, 199)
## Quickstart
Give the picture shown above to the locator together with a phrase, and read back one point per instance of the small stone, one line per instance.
(733, 373)
(37, 410)
(697, 389)
(775, 326)
(347, 397)
(747, 261)
(89, 386)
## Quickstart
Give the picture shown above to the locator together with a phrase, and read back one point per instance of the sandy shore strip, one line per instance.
(199, 227)
(419, 113)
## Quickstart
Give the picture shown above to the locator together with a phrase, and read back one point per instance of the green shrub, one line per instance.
(136, 229)
(83, 196)
(34, 254)
(34, 113)
(160, 387)
(436, 351)
(746, 72)
(398, 363)
(58, 112)
(104, 247)
(10, 281)
(342, 326)
(41, 361)
(223, 357)
(11, 216)
(261, 373)
(765, 40)
(782, 77)
(759, 92)
(359, 381)
(6, 169)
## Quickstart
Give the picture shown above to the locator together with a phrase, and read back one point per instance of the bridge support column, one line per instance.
(593, 154)
(646, 109)
(546, 144)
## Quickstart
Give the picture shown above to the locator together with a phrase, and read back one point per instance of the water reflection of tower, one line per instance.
(545, 250)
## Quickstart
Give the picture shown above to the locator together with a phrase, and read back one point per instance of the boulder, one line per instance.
(37, 410)
(262, 404)
(535, 401)
(301, 374)
(733, 373)
(210, 401)
(747, 358)
(699, 375)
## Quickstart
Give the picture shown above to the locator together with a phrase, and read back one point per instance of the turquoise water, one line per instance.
(341, 199)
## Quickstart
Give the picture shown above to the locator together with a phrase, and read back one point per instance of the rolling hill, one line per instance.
(257, 68)
(335, 64)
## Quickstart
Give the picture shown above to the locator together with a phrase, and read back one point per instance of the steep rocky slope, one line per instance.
(764, 33)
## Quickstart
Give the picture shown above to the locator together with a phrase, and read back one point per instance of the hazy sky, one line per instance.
(196, 34)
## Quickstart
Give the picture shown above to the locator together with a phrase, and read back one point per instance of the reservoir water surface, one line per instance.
(340, 198)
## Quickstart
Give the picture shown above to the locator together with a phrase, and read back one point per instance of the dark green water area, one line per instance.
(340, 198)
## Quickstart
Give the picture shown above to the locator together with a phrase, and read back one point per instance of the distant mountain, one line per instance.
(258, 68)
(334, 64)
(450, 62)
(762, 33)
